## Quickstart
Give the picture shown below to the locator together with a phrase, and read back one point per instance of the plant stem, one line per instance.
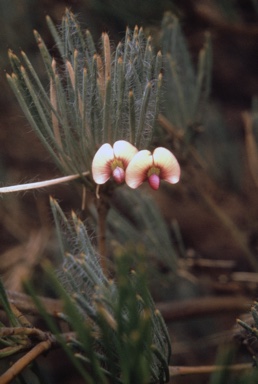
(224, 219)
(41, 184)
(24, 361)
(171, 311)
(178, 371)
(232, 229)
(251, 146)
(102, 209)
(200, 307)
(26, 305)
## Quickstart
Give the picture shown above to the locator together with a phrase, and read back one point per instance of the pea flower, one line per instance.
(161, 165)
(113, 162)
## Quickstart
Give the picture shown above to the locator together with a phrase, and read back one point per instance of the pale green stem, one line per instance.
(41, 184)
(102, 209)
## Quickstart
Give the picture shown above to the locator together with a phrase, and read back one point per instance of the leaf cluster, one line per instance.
(134, 221)
(186, 89)
(93, 98)
(119, 332)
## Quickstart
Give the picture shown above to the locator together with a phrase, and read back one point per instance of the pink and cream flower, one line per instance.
(161, 165)
(112, 161)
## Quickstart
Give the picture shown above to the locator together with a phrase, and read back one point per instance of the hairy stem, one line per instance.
(41, 184)
(102, 209)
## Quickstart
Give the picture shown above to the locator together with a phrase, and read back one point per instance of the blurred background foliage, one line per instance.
(206, 226)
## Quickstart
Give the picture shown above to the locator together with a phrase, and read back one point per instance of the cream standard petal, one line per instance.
(101, 170)
(168, 164)
(137, 169)
(124, 151)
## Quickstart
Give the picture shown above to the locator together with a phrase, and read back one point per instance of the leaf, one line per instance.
(6, 305)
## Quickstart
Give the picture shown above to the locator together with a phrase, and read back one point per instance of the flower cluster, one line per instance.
(124, 162)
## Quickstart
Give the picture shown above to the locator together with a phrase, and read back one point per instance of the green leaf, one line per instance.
(6, 306)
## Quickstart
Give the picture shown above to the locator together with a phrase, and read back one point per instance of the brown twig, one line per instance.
(231, 228)
(180, 371)
(201, 262)
(46, 342)
(171, 311)
(31, 332)
(245, 277)
(24, 361)
(225, 220)
(211, 15)
(178, 134)
(26, 305)
(204, 306)
(23, 321)
(250, 145)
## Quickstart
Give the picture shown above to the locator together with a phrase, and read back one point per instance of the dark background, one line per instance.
(26, 226)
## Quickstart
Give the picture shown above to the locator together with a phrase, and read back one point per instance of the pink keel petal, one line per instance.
(124, 151)
(154, 181)
(101, 170)
(137, 169)
(119, 175)
(168, 165)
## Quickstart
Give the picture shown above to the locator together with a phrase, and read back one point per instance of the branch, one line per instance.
(179, 371)
(41, 184)
(24, 361)
(26, 305)
(171, 310)
(31, 332)
(251, 146)
(204, 306)
(214, 18)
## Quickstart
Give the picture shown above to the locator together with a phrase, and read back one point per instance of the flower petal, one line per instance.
(137, 169)
(168, 165)
(118, 175)
(154, 181)
(101, 170)
(123, 150)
